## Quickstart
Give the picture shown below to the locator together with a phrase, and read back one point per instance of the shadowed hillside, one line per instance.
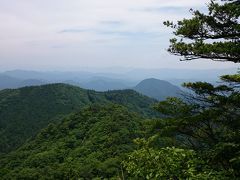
(26, 110)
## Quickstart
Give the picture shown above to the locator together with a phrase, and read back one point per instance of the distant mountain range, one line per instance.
(8, 82)
(94, 81)
(154, 88)
(158, 89)
(125, 77)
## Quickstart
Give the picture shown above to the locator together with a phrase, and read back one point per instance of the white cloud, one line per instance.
(96, 30)
(53, 15)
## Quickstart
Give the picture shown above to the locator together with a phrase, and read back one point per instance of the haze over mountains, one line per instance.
(107, 79)
(157, 89)
(152, 83)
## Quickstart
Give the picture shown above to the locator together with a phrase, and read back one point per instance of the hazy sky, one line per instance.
(72, 34)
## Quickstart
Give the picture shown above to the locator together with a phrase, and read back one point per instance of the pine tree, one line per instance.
(207, 120)
(214, 36)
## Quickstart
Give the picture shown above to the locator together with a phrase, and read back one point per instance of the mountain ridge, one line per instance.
(25, 111)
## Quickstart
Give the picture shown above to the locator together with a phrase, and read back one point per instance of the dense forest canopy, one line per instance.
(89, 144)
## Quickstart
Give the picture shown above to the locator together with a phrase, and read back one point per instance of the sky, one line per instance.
(78, 34)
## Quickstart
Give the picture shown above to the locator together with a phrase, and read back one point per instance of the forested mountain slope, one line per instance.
(24, 111)
(89, 144)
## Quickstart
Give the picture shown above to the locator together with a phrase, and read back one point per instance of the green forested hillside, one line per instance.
(24, 111)
(91, 143)
(133, 101)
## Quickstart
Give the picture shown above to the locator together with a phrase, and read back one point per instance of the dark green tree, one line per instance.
(204, 125)
(215, 35)
(207, 121)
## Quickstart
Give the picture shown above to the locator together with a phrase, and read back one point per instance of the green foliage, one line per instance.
(207, 121)
(25, 111)
(232, 78)
(88, 144)
(167, 163)
(220, 25)
(133, 101)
